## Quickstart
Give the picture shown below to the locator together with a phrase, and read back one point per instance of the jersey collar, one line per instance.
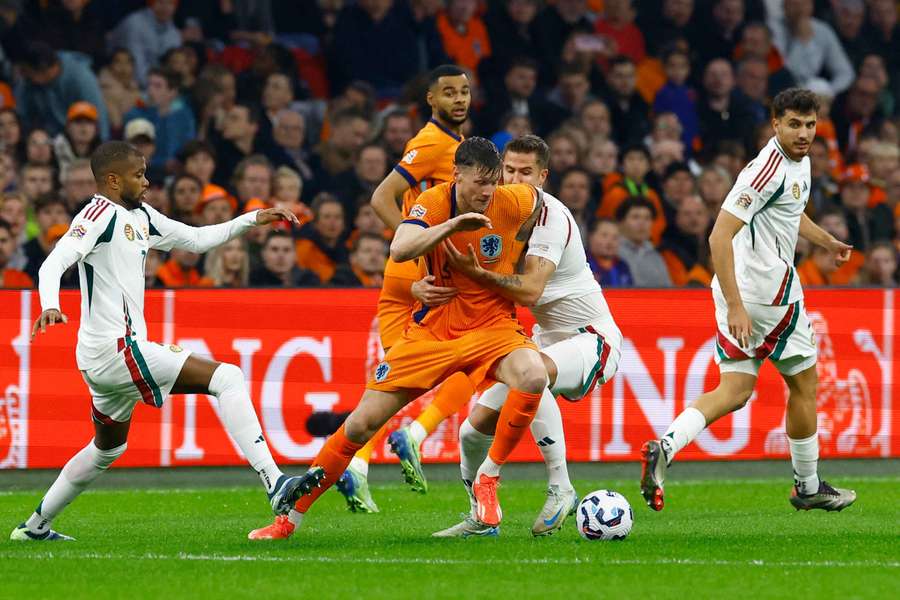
(780, 149)
(437, 124)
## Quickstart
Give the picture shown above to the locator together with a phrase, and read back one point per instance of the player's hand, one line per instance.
(270, 215)
(739, 325)
(429, 294)
(840, 250)
(48, 317)
(470, 222)
(467, 263)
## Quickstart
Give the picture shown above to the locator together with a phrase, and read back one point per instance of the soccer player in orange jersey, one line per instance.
(428, 161)
(476, 332)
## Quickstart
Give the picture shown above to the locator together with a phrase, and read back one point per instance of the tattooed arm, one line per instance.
(523, 288)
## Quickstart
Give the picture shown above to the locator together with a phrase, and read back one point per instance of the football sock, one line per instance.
(547, 430)
(473, 447)
(295, 517)
(416, 431)
(365, 453)
(805, 459)
(228, 386)
(334, 457)
(359, 465)
(449, 399)
(79, 472)
(682, 431)
(516, 414)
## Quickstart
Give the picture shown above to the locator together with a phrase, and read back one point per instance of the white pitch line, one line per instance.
(454, 561)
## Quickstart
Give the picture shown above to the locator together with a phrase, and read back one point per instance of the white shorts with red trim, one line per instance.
(782, 334)
(142, 371)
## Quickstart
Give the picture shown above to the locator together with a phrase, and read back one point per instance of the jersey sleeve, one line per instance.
(419, 162)
(551, 234)
(430, 208)
(166, 233)
(756, 185)
(93, 225)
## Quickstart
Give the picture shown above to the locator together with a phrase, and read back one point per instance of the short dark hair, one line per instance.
(323, 198)
(347, 114)
(366, 236)
(631, 203)
(39, 56)
(525, 62)
(676, 167)
(253, 113)
(480, 153)
(635, 148)
(832, 212)
(602, 221)
(444, 71)
(173, 79)
(795, 99)
(277, 233)
(574, 170)
(620, 59)
(46, 200)
(110, 154)
(33, 165)
(194, 147)
(530, 144)
(178, 178)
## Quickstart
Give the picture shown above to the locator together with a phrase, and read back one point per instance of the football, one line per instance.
(604, 515)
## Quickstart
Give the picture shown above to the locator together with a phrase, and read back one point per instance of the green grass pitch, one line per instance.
(727, 531)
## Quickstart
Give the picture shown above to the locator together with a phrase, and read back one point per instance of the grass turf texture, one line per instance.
(727, 530)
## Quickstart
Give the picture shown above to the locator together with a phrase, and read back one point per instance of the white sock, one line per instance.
(805, 459)
(295, 517)
(547, 430)
(227, 385)
(76, 476)
(489, 468)
(417, 432)
(473, 448)
(682, 431)
(360, 466)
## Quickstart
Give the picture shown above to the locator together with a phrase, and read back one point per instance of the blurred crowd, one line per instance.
(651, 109)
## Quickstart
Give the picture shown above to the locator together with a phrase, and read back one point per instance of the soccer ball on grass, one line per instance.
(604, 515)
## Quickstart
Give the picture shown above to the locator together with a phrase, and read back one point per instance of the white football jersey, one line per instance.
(572, 297)
(110, 245)
(769, 196)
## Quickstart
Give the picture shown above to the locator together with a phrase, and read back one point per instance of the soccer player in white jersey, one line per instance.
(109, 239)
(579, 340)
(759, 305)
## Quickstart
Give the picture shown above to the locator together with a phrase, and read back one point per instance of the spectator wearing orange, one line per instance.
(181, 270)
(288, 188)
(684, 238)
(617, 24)
(882, 159)
(463, 33)
(866, 224)
(319, 245)
(366, 267)
(834, 222)
(367, 222)
(215, 206)
(10, 278)
(635, 167)
(756, 42)
(881, 266)
(892, 190)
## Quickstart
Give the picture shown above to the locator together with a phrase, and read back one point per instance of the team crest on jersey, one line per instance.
(175, 348)
(78, 231)
(744, 200)
(129, 232)
(417, 211)
(381, 371)
(491, 246)
(410, 156)
(795, 190)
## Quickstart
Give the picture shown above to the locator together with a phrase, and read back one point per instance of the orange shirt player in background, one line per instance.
(475, 332)
(427, 161)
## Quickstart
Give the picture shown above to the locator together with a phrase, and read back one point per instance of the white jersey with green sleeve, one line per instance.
(110, 245)
(770, 196)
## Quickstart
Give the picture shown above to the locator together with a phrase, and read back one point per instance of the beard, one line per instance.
(131, 199)
(449, 118)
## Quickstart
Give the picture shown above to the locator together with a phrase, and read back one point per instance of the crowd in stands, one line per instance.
(651, 109)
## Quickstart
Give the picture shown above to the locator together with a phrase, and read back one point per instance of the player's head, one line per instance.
(449, 94)
(525, 160)
(477, 169)
(119, 170)
(794, 120)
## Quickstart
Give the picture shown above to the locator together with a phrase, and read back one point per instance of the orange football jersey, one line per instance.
(497, 249)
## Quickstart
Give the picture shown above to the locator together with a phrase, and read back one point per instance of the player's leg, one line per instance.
(109, 443)
(354, 483)
(733, 392)
(451, 396)
(524, 372)
(227, 384)
(809, 491)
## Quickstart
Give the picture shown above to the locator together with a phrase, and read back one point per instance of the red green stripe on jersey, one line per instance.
(596, 374)
(775, 342)
(767, 172)
(727, 349)
(784, 292)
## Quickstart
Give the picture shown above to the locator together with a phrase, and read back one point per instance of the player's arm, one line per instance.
(388, 198)
(166, 233)
(818, 236)
(726, 227)
(524, 288)
(415, 237)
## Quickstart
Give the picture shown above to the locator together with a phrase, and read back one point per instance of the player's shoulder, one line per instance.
(435, 200)
(553, 211)
(767, 167)
(432, 135)
(98, 209)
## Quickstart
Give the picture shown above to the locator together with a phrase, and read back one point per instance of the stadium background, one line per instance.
(308, 105)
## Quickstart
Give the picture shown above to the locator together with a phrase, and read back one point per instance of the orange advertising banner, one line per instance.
(310, 350)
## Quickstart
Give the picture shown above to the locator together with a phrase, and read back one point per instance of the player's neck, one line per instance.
(782, 147)
(115, 199)
(457, 129)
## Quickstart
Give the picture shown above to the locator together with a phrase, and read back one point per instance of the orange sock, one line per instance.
(365, 453)
(334, 457)
(449, 399)
(515, 417)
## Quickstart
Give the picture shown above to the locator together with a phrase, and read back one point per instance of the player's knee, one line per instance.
(359, 427)
(226, 376)
(528, 374)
